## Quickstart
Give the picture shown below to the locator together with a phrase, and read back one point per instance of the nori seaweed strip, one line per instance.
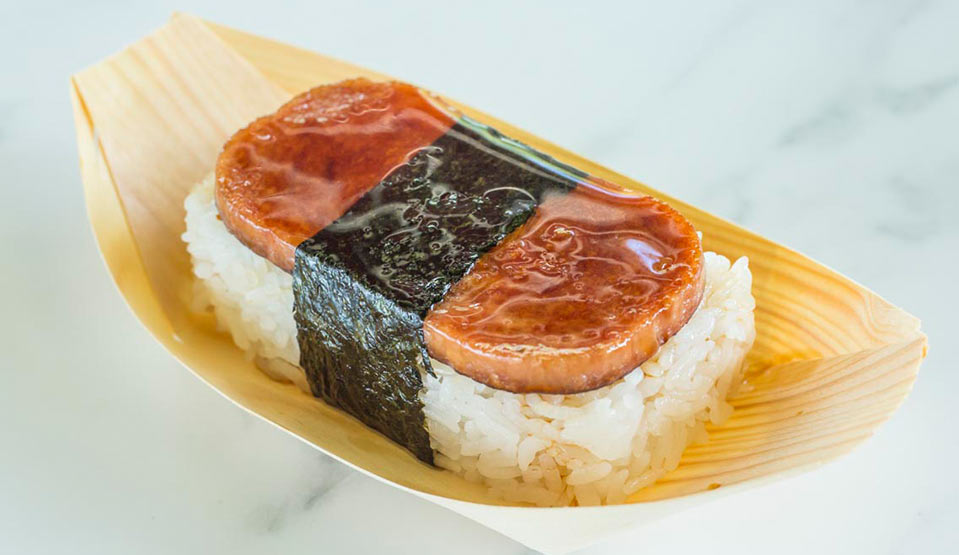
(363, 285)
(361, 351)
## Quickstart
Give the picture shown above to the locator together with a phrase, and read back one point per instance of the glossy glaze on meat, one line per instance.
(289, 174)
(584, 291)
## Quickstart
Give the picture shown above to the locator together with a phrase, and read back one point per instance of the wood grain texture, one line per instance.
(832, 360)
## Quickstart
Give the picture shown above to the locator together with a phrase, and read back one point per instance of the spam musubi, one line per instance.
(501, 315)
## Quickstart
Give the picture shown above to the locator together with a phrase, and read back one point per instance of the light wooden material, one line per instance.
(831, 362)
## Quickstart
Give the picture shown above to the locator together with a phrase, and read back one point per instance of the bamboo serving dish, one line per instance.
(831, 362)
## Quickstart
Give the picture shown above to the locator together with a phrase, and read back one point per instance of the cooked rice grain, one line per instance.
(585, 449)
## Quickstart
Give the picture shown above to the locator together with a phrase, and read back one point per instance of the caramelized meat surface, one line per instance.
(583, 293)
(288, 175)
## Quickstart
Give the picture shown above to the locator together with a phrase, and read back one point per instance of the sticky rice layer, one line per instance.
(584, 449)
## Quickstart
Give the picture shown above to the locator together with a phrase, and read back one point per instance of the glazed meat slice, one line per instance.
(580, 295)
(289, 174)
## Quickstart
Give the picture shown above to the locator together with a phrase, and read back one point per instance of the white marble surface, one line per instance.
(828, 126)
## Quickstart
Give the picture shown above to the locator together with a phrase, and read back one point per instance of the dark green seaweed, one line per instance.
(361, 351)
(363, 285)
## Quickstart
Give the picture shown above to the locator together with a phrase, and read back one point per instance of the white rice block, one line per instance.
(587, 449)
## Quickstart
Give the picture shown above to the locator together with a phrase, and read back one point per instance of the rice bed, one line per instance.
(585, 449)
